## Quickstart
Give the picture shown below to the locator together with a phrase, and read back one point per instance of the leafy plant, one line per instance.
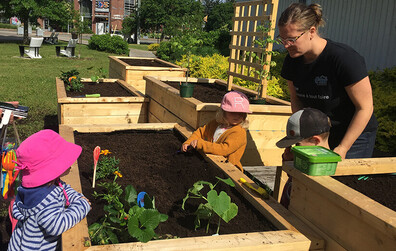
(100, 74)
(72, 80)
(123, 213)
(217, 204)
(106, 166)
(112, 44)
(262, 58)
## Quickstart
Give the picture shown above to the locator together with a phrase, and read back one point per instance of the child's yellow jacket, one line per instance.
(231, 144)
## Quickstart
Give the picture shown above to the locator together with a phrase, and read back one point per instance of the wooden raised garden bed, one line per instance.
(133, 69)
(267, 123)
(288, 236)
(119, 103)
(346, 218)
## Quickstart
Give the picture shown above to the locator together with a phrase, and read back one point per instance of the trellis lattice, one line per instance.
(247, 17)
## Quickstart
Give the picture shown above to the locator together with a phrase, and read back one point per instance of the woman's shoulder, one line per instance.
(340, 50)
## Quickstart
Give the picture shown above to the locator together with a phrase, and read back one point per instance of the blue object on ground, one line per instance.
(140, 199)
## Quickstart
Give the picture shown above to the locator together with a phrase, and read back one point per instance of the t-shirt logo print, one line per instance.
(321, 81)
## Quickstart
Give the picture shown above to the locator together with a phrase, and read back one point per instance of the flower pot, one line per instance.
(257, 101)
(186, 90)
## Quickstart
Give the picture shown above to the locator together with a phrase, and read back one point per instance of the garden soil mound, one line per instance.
(104, 89)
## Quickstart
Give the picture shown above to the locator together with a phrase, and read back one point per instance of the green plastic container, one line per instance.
(315, 160)
(186, 90)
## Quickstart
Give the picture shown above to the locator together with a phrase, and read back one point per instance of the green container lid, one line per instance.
(316, 154)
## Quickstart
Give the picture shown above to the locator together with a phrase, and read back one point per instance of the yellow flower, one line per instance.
(118, 174)
(105, 152)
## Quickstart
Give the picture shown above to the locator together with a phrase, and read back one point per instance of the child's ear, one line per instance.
(315, 140)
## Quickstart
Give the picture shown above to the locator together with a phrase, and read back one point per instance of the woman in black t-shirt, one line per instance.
(328, 76)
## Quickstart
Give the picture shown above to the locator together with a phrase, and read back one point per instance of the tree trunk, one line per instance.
(26, 31)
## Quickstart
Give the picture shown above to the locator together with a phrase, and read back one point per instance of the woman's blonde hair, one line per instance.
(302, 15)
(220, 118)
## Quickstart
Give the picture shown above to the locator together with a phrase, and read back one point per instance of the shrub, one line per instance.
(153, 47)
(111, 44)
(216, 66)
(384, 88)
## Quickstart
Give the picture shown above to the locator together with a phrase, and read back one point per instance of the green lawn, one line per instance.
(32, 81)
(143, 47)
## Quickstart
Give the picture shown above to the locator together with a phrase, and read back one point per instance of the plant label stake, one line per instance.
(96, 154)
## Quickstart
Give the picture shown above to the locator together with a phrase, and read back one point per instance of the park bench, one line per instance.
(69, 50)
(34, 47)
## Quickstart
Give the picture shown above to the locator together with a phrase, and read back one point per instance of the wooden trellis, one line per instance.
(247, 17)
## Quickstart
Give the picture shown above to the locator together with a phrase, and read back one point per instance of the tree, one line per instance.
(129, 25)
(28, 11)
(221, 14)
(160, 14)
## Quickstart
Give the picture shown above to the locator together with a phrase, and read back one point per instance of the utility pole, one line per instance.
(138, 23)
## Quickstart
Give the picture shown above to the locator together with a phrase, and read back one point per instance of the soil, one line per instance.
(380, 187)
(149, 161)
(107, 89)
(206, 93)
(145, 62)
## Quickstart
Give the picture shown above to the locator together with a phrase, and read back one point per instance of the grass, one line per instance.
(32, 81)
(143, 47)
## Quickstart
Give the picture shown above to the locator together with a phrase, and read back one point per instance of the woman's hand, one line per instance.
(342, 151)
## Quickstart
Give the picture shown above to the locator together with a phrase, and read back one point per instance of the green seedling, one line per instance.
(72, 80)
(106, 167)
(216, 204)
(100, 74)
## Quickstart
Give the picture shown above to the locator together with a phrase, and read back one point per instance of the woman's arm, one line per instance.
(361, 96)
(296, 104)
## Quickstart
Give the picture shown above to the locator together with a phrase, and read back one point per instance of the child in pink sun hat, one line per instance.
(45, 206)
(226, 135)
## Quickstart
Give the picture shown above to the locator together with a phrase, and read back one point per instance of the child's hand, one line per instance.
(184, 147)
(194, 143)
(287, 154)
(86, 200)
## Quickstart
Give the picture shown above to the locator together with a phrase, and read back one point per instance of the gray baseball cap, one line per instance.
(304, 124)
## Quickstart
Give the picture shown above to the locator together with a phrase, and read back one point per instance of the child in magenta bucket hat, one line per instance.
(226, 135)
(45, 206)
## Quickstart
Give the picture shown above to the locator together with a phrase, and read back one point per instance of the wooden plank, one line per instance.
(105, 109)
(95, 120)
(268, 122)
(366, 166)
(183, 79)
(280, 181)
(262, 2)
(119, 127)
(265, 174)
(273, 240)
(77, 235)
(328, 203)
(162, 114)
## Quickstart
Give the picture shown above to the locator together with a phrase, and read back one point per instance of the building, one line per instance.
(104, 15)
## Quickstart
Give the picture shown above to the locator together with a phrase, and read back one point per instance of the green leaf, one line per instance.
(145, 235)
(228, 181)
(149, 218)
(114, 219)
(130, 194)
(110, 209)
(230, 213)
(204, 211)
(148, 203)
(112, 236)
(220, 203)
(163, 217)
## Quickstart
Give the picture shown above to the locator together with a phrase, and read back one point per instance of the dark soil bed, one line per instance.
(107, 89)
(145, 62)
(381, 187)
(149, 162)
(206, 93)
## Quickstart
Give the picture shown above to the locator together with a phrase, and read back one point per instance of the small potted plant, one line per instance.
(72, 80)
(264, 60)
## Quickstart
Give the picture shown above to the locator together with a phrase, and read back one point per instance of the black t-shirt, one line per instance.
(321, 85)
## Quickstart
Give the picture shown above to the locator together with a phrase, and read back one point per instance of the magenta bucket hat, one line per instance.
(235, 102)
(44, 156)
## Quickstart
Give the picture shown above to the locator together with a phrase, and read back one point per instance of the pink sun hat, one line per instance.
(235, 102)
(44, 156)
